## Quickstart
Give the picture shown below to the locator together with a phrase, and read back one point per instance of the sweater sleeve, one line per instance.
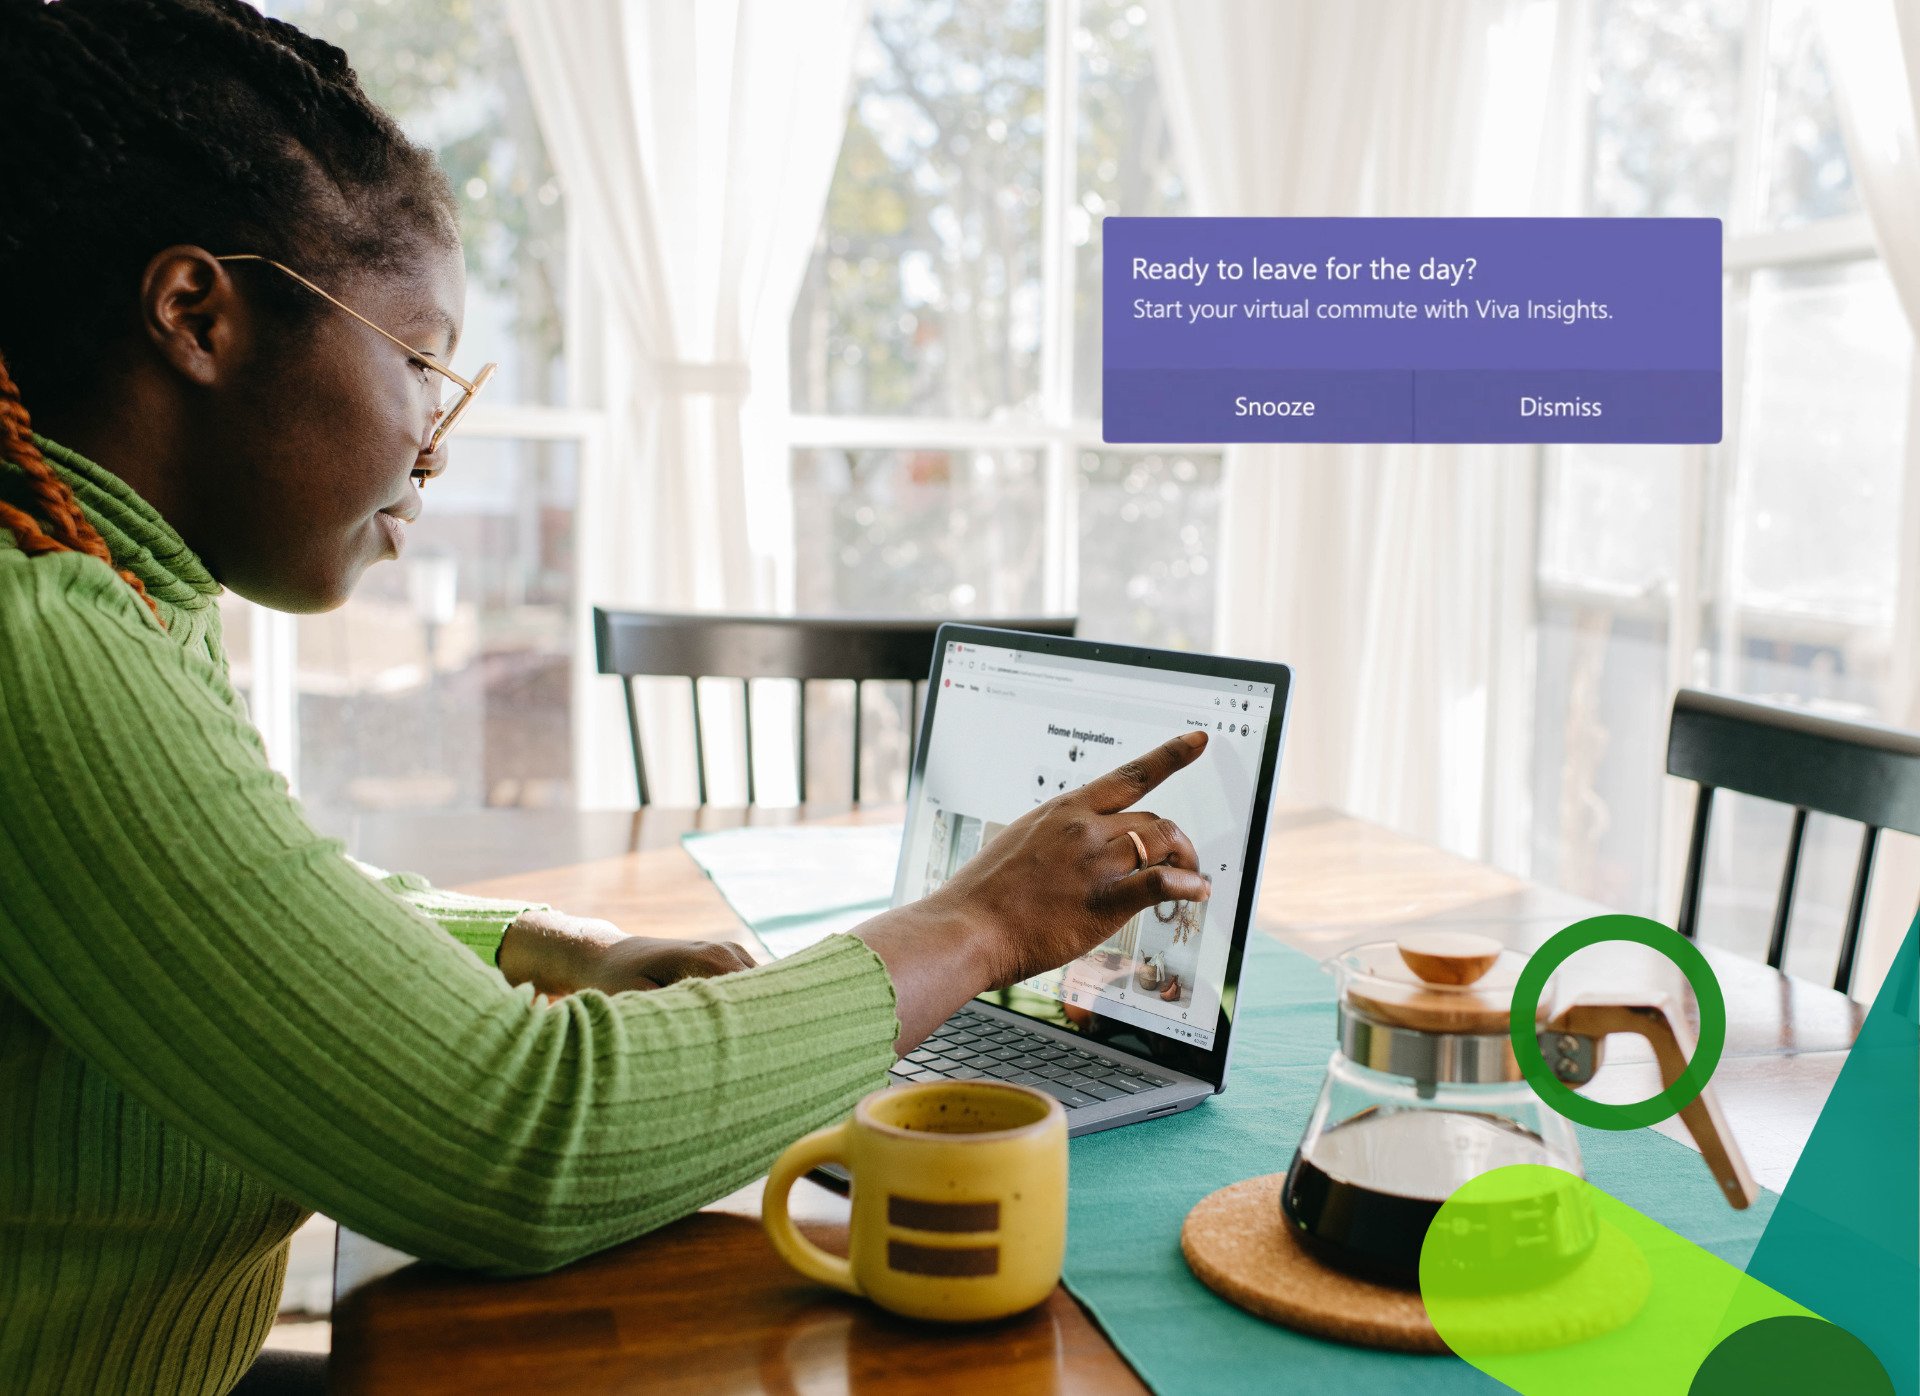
(479, 923)
(170, 916)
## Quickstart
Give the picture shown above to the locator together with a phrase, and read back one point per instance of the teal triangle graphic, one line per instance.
(1845, 1238)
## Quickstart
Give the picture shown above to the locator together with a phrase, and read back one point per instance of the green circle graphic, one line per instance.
(1787, 1355)
(1563, 1098)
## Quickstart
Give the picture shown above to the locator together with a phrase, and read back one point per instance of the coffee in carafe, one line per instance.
(1412, 1161)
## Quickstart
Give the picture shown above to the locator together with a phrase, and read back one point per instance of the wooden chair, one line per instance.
(1819, 765)
(693, 646)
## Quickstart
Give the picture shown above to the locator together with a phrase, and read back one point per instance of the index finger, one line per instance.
(1125, 784)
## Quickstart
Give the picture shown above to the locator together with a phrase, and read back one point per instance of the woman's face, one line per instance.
(312, 449)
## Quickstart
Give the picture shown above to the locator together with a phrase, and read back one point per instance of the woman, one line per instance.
(228, 289)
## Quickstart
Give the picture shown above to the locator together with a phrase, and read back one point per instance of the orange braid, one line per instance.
(66, 528)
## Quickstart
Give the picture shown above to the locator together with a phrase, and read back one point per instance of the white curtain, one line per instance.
(1873, 51)
(695, 143)
(1397, 579)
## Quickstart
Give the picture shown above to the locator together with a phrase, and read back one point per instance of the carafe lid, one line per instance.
(1449, 982)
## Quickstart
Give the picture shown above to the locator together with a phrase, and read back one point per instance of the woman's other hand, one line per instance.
(560, 954)
(640, 962)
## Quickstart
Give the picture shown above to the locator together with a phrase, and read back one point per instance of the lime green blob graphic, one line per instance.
(1790, 1357)
(1547, 1283)
(1642, 931)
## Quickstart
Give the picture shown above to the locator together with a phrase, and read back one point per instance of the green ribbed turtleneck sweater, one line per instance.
(211, 1021)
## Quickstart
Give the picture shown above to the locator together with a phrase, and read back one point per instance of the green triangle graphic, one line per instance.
(1845, 1238)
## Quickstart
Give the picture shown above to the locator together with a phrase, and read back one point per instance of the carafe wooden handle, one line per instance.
(1654, 1018)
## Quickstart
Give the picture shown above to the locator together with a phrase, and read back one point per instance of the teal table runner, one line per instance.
(1132, 1189)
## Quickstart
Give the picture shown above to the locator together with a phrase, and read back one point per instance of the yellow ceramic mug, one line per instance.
(959, 1199)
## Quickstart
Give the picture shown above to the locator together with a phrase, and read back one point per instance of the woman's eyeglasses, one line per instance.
(443, 416)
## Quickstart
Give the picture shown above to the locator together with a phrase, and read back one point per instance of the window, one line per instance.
(446, 681)
(945, 532)
(1665, 106)
(1825, 386)
(945, 346)
(1764, 566)
(923, 297)
(1124, 164)
(1148, 534)
(447, 71)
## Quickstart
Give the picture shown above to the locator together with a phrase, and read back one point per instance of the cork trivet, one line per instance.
(1238, 1244)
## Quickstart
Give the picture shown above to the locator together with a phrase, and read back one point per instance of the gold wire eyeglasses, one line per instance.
(443, 417)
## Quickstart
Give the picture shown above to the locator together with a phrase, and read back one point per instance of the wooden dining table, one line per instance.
(704, 1305)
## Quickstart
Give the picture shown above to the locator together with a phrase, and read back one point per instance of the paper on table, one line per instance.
(793, 887)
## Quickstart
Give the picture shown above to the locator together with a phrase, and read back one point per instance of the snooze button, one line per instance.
(1239, 404)
(1268, 407)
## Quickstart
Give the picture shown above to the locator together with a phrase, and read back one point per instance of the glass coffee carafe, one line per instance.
(1424, 1093)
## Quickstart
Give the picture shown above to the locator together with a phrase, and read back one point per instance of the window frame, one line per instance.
(1702, 598)
(1057, 434)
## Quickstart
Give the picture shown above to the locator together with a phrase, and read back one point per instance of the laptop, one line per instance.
(1141, 1025)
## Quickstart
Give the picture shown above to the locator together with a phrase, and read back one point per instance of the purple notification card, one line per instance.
(1411, 329)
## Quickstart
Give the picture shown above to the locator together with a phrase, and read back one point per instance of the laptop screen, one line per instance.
(1012, 727)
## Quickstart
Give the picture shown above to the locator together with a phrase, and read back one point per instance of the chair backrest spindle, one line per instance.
(633, 732)
(1789, 875)
(746, 720)
(699, 738)
(858, 691)
(1856, 910)
(916, 708)
(1696, 863)
(800, 740)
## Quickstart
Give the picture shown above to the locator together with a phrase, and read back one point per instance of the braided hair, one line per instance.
(127, 126)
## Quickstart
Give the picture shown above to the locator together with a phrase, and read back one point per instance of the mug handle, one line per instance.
(822, 1146)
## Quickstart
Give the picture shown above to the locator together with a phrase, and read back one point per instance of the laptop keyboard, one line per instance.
(971, 1046)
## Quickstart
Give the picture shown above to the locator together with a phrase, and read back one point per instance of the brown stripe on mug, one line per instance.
(910, 1259)
(919, 1215)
